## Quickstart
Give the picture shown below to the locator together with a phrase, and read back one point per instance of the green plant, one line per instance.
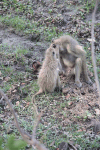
(12, 144)
(50, 33)
(20, 52)
(89, 5)
(50, 11)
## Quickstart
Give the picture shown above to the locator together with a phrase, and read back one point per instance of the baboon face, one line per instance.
(58, 43)
(53, 51)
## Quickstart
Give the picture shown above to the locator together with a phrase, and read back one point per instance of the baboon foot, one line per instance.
(89, 82)
(78, 83)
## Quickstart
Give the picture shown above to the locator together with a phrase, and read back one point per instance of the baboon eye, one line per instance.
(54, 46)
(53, 53)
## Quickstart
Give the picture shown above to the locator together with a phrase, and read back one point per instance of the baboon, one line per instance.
(48, 78)
(72, 55)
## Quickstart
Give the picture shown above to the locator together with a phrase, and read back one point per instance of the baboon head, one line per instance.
(53, 51)
(57, 42)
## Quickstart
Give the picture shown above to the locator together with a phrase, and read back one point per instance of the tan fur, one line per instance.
(72, 55)
(48, 78)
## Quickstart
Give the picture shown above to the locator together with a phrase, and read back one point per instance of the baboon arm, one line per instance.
(63, 70)
(77, 52)
(78, 66)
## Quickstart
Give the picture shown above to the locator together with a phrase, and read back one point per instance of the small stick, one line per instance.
(28, 138)
(92, 49)
(36, 125)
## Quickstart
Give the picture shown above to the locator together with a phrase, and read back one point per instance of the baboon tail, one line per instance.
(38, 93)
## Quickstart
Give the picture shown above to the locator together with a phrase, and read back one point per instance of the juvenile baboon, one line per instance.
(48, 78)
(72, 55)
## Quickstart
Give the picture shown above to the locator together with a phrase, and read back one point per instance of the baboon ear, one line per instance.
(54, 45)
(52, 40)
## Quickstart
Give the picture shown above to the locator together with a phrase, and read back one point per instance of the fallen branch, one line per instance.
(92, 49)
(27, 137)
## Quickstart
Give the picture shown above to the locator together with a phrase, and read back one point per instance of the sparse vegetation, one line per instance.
(12, 144)
(66, 115)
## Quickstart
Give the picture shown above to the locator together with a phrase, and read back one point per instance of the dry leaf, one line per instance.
(17, 103)
(80, 130)
(7, 79)
(22, 83)
(68, 95)
(82, 10)
(14, 91)
(1, 78)
(7, 106)
(27, 104)
(70, 103)
(97, 111)
(90, 40)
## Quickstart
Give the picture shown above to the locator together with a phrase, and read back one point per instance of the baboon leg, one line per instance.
(63, 66)
(82, 54)
(78, 66)
(58, 84)
(59, 66)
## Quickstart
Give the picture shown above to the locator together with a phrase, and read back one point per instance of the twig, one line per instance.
(28, 138)
(24, 135)
(72, 146)
(92, 49)
(36, 125)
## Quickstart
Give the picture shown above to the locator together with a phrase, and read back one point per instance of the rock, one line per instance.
(63, 146)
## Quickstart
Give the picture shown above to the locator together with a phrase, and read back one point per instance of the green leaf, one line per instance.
(14, 144)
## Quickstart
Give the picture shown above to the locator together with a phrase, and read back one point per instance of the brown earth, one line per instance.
(83, 105)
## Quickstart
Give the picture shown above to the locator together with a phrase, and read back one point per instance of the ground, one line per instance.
(26, 30)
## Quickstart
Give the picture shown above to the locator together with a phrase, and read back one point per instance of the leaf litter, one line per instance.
(74, 105)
